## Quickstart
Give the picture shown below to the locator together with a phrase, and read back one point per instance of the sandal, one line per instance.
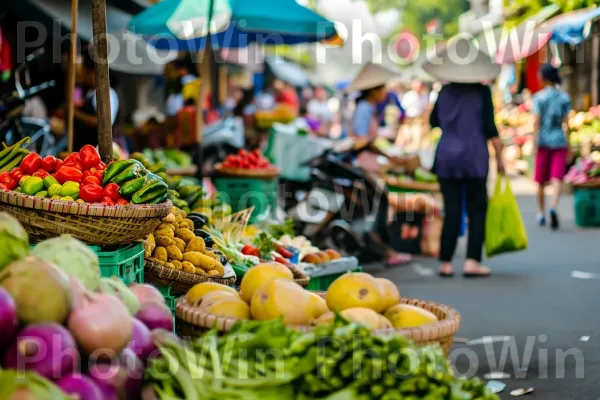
(481, 272)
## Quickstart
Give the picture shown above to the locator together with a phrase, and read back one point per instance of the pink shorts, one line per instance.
(550, 164)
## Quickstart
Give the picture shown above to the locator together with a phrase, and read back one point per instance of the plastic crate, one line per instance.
(587, 207)
(322, 282)
(242, 193)
(239, 273)
(126, 262)
(169, 299)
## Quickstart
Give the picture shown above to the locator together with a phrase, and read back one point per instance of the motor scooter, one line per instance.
(345, 207)
(220, 140)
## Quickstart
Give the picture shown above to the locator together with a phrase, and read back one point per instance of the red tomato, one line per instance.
(90, 180)
(112, 191)
(122, 202)
(107, 201)
(40, 173)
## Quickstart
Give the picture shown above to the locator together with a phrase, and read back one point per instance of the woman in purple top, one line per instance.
(465, 114)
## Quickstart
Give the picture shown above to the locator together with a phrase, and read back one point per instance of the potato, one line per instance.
(176, 264)
(166, 226)
(164, 232)
(214, 273)
(200, 271)
(188, 267)
(170, 265)
(175, 224)
(160, 253)
(200, 260)
(164, 241)
(169, 219)
(190, 223)
(185, 234)
(149, 245)
(174, 253)
(185, 225)
(219, 268)
(212, 255)
(178, 218)
(180, 244)
(196, 244)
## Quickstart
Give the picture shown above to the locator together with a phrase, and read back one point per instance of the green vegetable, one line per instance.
(134, 171)
(14, 239)
(69, 189)
(116, 287)
(129, 188)
(115, 168)
(32, 185)
(72, 256)
(54, 190)
(49, 181)
(42, 193)
(279, 230)
(149, 192)
(35, 386)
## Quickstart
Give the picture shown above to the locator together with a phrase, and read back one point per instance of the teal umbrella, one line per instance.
(183, 24)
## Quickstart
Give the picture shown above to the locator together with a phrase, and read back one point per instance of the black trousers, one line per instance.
(453, 191)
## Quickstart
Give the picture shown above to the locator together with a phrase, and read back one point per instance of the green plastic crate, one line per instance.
(322, 283)
(587, 207)
(239, 272)
(126, 262)
(169, 299)
(243, 193)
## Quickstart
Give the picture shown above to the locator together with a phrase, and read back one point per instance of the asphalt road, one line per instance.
(531, 298)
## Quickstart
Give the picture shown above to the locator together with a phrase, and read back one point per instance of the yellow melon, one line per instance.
(409, 316)
(363, 316)
(389, 293)
(384, 322)
(282, 298)
(232, 308)
(212, 297)
(355, 289)
(194, 295)
(260, 274)
(317, 304)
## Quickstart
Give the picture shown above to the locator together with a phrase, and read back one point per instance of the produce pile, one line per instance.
(55, 306)
(80, 177)
(341, 361)
(180, 243)
(268, 291)
(419, 175)
(265, 119)
(584, 127)
(253, 160)
(585, 171)
(164, 159)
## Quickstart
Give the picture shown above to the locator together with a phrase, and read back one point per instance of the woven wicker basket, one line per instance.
(248, 173)
(179, 281)
(192, 322)
(91, 223)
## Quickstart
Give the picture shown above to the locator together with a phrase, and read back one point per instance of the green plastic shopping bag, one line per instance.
(504, 228)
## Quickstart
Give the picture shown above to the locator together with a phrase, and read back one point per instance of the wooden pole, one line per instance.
(71, 76)
(102, 80)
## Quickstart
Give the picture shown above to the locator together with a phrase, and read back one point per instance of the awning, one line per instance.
(522, 41)
(287, 71)
(127, 52)
(574, 27)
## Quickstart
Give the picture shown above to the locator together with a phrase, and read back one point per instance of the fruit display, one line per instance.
(320, 257)
(584, 127)
(181, 244)
(164, 159)
(253, 160)
(11, 157)
(67, 333)
(265, 119)
(268, 361)
(585, 171)
(269, 292)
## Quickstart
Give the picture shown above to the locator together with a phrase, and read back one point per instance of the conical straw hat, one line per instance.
(461, 61)
(372, 75)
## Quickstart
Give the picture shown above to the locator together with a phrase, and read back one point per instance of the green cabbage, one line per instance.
(14, 239)
(73, 257)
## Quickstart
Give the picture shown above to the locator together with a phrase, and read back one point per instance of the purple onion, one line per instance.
(141, 340)
(8, 318)
(124, 375)
(48, 349)
(80, 387)
(156, 316)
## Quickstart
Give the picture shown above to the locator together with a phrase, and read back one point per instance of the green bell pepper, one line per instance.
(54, 190)
(32, 185)
(49, 181)
(150, 192)
(128, 189)
(115, 168)
(70, 189)
(42, 193)
(135, 171)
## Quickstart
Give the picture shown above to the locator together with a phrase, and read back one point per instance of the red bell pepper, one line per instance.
(72, 158)
(66, 174)
(90, 180)
(31, 163)
(75, 164)
(40, 173)
(101, 166)
(248, 250)
(3, 186)
(98, 174)
(107, 201)
(16, 174)
(89, 156)
(49, 164)
(13, 184)
(86, 174)
(59, 163)
(91, 193)
(122, 202)
(112, 191)
(281, 260)
(5, 177)
(285, 253)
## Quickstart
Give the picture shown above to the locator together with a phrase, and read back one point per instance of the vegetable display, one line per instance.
(11, 157)
(586, 170)
(248, 160)
(265, 361)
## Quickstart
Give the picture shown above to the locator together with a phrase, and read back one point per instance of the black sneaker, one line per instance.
(554, 224)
